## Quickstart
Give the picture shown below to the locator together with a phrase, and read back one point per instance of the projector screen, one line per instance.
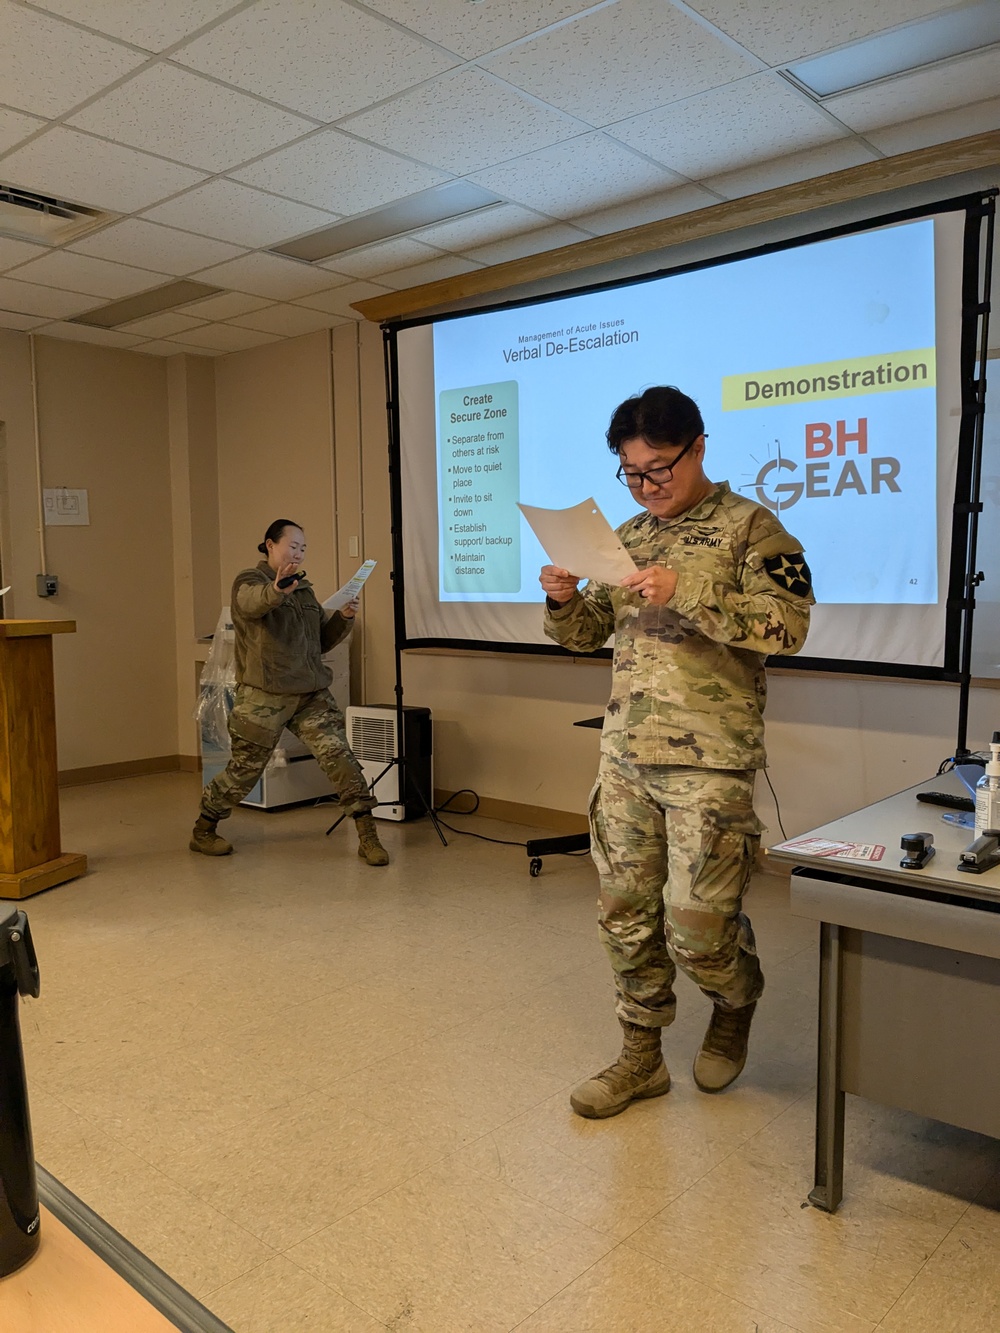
(828, 372)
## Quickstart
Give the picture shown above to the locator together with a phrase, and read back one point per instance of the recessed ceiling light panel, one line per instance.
(440, 203)
(153, 302)
(925, 42)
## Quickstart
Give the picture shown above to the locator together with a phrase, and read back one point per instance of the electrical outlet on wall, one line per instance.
(47, 585)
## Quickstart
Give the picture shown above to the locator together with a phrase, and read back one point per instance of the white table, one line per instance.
(909, 1005)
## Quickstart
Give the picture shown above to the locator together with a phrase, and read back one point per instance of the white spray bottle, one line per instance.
(988, 791)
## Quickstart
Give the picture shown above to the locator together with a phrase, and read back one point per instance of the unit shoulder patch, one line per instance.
(790, 572)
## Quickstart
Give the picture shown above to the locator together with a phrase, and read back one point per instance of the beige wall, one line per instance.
(274, 426)
(103, 424)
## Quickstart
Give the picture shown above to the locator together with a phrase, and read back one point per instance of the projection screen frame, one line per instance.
(959, 598)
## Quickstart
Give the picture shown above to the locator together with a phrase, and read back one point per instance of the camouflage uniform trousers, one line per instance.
(255, 726)
(674, 848)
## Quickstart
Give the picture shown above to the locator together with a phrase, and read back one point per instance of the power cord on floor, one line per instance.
(445, 806)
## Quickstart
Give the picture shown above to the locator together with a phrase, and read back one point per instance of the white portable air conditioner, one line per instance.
(371, 734)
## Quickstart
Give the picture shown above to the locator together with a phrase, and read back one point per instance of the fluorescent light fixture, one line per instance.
(953, 33)
(146, 303)
(438, 204)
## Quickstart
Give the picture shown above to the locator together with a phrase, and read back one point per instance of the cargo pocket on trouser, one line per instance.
(721, 873)
(598, 833)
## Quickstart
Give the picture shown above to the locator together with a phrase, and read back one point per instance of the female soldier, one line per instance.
(281, 633)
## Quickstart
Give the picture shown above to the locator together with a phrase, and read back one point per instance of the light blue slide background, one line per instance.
(866, 294)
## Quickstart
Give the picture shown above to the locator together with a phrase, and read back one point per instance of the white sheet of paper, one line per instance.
(4, 591)
(581, 540)
(351, 588)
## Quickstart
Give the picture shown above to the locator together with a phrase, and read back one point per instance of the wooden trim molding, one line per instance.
(131, 768)
(870, 178)
(513, 812)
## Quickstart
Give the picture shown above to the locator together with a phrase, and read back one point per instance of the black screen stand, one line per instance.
(569, 842)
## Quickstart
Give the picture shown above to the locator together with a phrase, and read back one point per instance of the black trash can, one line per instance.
(18, 1184)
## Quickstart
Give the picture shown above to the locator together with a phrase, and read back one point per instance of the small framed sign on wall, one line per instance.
(66, 508)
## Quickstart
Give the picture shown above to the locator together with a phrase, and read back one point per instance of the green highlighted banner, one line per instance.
(848, 378)
(480, 487)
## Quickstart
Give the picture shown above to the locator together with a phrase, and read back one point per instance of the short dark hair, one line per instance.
(661, 415)
(275, 531)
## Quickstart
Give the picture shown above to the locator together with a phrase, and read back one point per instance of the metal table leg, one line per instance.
(829, 1174)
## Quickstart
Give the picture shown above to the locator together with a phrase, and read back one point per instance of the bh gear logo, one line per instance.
(781, 483)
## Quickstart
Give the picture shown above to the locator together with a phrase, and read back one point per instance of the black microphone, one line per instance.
(289, 579)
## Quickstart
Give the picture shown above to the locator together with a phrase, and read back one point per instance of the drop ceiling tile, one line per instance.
(489, 224)
(629, 57)
(14, 127)
(338, 302)
(83, 333)
(576, 176)
(941, 128)
(17, 252)
(9, 319)
(27, 298)
(368, 261)
(528, 243)
(224, 338)
(320, 57)
(471, 30)
(92, 171)
(167, 110)
(335, 172)
(290, 321)
(162, 249)
(230, 212)
(780, 30)
(695, 137)
(795, 167)
(94, 277)
(149, 23)
(444, 125)
(682, 199)
(269, 275)
(47, 67)
(435, 270)
(954, 83)
(158, 348)
(164, 326)
(226, 306)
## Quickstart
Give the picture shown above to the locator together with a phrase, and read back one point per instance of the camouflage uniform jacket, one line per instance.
(280, 638)
(688, 682)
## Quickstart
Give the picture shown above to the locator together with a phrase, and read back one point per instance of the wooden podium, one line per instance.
(31, 855)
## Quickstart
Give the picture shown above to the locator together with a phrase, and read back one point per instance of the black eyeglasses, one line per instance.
(657, 476)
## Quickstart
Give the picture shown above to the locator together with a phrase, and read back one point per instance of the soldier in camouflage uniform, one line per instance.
(281, 634)
(719, 586)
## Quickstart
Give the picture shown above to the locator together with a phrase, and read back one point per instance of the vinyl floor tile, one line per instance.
(440, 1254)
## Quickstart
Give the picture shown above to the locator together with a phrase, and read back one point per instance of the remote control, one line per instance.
(947, 799)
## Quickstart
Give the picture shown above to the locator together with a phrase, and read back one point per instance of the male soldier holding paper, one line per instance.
(719, 586)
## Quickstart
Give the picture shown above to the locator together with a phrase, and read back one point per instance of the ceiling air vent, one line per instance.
(46, 221)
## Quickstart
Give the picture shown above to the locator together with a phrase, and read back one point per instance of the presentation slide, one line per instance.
(828, 377)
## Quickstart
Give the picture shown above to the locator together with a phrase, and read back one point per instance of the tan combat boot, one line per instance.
(724, 1051)
(206, 840)
(638, 1072)
(369, 846)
